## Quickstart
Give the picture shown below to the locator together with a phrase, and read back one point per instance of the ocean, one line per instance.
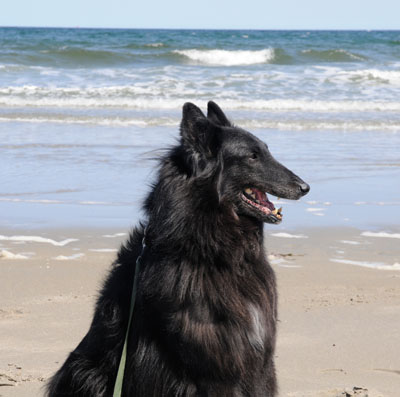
(84, 113)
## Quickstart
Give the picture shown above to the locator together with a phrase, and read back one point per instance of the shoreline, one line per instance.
(338, 323)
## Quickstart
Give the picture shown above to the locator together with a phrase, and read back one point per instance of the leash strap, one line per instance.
(121, 368)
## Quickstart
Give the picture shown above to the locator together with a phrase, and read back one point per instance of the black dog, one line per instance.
(205, 317)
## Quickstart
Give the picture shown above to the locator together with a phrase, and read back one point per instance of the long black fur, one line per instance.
(205, 317)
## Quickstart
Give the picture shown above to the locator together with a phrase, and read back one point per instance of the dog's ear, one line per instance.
(216, 115)
(197, 131)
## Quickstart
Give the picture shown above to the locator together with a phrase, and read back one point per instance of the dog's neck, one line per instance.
(184, 215)
(211, 232)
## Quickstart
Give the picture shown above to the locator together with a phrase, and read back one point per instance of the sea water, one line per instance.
(85, 113)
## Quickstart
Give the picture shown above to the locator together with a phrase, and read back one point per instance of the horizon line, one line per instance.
(205, 29)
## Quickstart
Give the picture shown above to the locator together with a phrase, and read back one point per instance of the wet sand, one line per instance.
(339, 322)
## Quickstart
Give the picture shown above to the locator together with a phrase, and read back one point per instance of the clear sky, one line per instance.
(205, 14)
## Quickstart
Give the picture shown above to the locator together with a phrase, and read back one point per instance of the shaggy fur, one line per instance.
(205, 317)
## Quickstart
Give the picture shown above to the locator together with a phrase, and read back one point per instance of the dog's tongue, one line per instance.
(263, 199)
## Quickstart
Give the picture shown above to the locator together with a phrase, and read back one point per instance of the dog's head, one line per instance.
(241, 165)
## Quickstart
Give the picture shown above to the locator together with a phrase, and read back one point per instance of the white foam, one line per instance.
(18, 200)
(370, 265)
(312, 105)
(316, 125)
(315, 211)
(4, 254)
(150, 97)
(387, 76)
(228, 58)
(381, 234)
(106, 121)
(380, 203)
(155, 45)
(93, 202)
(288, 235)
(103, 249)
(45, 201)
(115, 235)
(50, 73)
(38, 239)
(68, 258)
(277, 258)
(288, 265)
(350, 242)
(337, 51)
(283, 125)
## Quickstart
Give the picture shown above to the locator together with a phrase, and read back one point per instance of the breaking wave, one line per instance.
(139, 97)
(249, 123)
(228, 58)
(336, 55)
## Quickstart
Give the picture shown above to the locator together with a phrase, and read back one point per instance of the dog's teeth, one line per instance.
(248, 191)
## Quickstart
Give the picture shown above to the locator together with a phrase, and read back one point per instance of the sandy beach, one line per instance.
(338, 322)
(84, 117)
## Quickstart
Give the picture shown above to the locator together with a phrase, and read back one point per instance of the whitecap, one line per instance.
(155, 45)
(384, 76)
(228, 58)
(132, 96)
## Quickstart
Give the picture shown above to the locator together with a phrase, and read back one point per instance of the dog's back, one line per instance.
(205, 315)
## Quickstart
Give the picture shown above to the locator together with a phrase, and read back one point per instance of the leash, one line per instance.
(122, 363)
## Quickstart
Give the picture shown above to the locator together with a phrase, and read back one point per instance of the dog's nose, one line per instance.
(304, 187)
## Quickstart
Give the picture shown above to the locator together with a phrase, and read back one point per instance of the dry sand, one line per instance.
(339, 327)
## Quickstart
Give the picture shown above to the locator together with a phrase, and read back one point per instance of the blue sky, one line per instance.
(205, 14)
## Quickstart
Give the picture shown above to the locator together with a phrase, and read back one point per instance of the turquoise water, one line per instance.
(83, 111)
(270, 79)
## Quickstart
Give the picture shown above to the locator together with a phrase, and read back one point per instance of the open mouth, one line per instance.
(259, 200)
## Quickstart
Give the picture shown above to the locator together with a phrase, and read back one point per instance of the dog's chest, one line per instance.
(257, 329)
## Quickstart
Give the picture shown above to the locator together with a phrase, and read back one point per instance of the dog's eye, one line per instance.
(254, 156)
